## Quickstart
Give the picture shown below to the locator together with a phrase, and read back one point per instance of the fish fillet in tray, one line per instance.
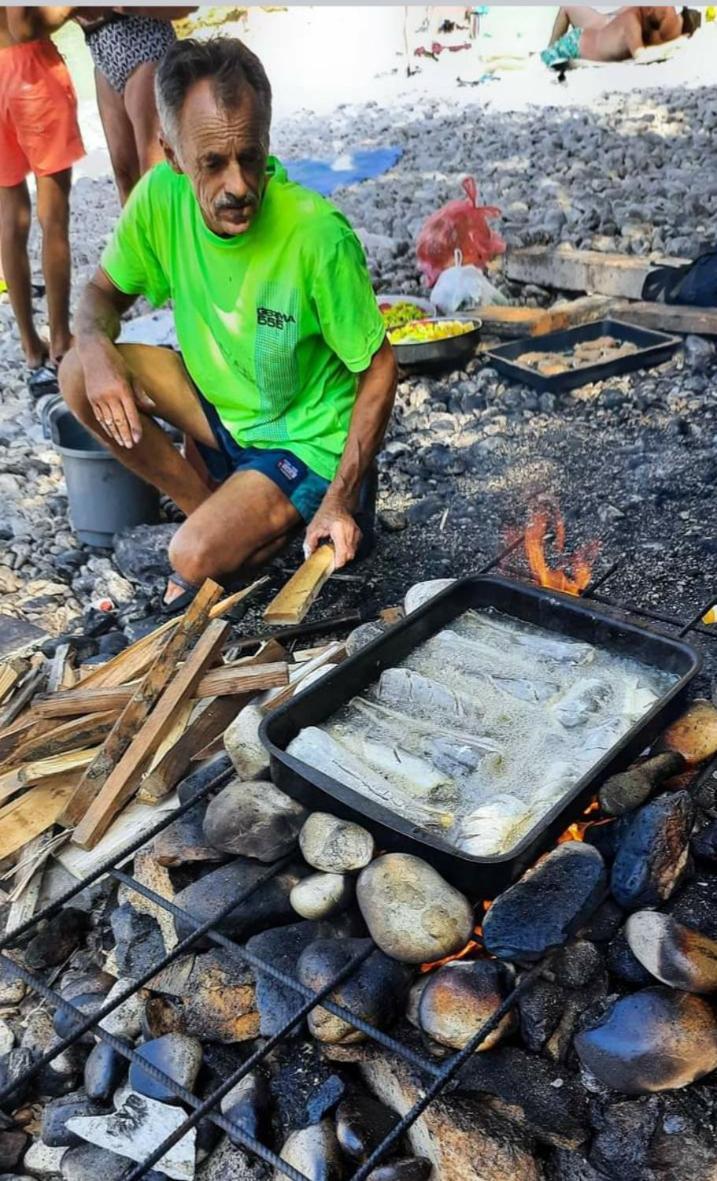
(479, 722)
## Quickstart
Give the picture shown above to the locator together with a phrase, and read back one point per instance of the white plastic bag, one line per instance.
(463, 287)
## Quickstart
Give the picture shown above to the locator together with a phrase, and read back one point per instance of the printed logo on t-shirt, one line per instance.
(273, 319)
(287, 468)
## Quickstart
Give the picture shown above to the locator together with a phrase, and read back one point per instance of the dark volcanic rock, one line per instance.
(653, 1040)
(551, 1100)
(361, 1124)
(104, 1070)
(57, 1112)
(577, 964)
(673, 953)
(64, 1023)
(176, 1055)
(410, 1168)
(229, 1163)
(694, 905)
(549, 903)
(622, 962)
(56, 940)
(540, 1010)
(315, 1152)
(12, 1068)
(623, 1135)
(704, 843)
(653, 851)
(141, 553)
(253, 820)
(139, 942)
(12, 1147)
(266, 906)
(215, 771)
(375, 991)
(282, 948)
(87, 1162)
(184, 843)
(461, 997)
(304, 1086)
(605, 923)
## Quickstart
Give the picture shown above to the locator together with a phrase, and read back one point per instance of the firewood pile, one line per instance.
(76, 748)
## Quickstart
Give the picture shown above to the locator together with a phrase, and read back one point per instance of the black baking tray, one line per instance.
(479, 877)
(652, 349)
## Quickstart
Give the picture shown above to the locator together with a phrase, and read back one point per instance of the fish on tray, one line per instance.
(410, 691)
(493, 827)
(581, 702)
(479, 659)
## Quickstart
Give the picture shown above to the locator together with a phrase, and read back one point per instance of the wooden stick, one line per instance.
(220, 682)
(294, 600)
(667, 317)
(28, 883)
(335, 651)
(123, 780)
(24, 727)
(80, 732)
(29, 815)
(142, 701)
(202, 731)
(9, 677)
(173, 735)
(28, 687)
(26, 775)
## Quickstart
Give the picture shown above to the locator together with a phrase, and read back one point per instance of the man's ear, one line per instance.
(169, 154)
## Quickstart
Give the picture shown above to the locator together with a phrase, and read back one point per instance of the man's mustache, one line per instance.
(233, 205)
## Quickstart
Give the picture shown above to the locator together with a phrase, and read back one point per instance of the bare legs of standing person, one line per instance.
(131, 126)
(53, 211)
(15, 219)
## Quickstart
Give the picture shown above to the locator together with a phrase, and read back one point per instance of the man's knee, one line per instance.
(72, 385)
(191, 554)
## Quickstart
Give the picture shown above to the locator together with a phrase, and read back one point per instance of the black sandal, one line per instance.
(179, 604)
(42, 380)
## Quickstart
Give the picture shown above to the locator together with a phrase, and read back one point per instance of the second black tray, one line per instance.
(652, 349)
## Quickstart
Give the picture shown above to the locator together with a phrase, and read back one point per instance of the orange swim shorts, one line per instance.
(38, 113)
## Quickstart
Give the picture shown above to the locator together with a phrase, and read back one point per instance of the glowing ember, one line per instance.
(576, 832)
(459, 955)
(546, 521)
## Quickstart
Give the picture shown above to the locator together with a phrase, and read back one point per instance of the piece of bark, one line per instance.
(28, 774)
(294, 600)
(123, 780)
(30, 814)
(143, 699)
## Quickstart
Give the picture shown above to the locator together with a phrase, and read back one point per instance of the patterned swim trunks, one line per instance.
(119, 47)
(566, 49)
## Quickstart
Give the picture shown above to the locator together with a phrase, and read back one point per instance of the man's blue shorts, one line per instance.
(302, 486)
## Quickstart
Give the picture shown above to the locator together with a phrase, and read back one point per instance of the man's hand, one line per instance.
(114, 395)
(334, 522)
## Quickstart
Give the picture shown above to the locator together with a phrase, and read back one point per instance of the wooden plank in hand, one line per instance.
(593, 271)
(294, 600)
(143, 699)
(123, 780)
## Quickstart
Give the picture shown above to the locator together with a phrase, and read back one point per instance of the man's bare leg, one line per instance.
(141, 108)
(53, 211)
(119, 134)
(162, 376)
(560, 26)
(15, 218)
(241, 525)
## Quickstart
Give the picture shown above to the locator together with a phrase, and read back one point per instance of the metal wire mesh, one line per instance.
(435, 1076)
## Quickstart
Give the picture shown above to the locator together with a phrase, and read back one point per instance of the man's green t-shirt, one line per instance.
(274, 325)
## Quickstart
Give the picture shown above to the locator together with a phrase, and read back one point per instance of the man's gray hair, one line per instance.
(230, 66)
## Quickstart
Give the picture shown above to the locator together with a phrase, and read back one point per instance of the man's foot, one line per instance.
(178, 595)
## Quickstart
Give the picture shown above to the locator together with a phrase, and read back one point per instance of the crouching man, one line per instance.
(286, 381)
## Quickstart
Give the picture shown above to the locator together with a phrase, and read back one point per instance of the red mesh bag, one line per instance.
(459, 225)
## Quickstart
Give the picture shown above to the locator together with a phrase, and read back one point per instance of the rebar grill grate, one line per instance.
(439, 1076)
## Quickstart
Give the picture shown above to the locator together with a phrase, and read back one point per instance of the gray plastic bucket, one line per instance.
(104, 497)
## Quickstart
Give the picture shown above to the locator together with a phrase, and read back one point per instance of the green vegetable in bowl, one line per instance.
(396, 314)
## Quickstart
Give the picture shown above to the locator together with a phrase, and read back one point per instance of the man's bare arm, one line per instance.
(113, 395)
(372, 411)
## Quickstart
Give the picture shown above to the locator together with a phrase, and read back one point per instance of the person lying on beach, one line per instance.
(286, 380)
(39, 133)
(596, 36)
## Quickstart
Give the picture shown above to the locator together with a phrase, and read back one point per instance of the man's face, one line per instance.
(223, 154)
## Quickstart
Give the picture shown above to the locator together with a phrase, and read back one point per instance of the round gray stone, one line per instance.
(673, 953)
(333, 845)
(321, 895)
(315, 1152)
(253, 820)
(412, 913)
(460, 997)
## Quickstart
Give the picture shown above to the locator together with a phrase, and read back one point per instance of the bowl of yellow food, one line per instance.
(435, 341)
(398, 310)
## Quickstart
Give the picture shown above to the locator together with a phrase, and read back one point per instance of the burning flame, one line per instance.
(576, 831)
(459, 955)
(580, 565)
